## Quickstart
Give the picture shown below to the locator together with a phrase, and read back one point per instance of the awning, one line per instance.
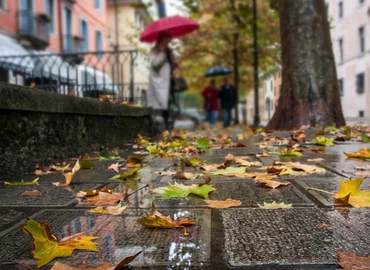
(53, 66)
(96, 80)
(13, 56)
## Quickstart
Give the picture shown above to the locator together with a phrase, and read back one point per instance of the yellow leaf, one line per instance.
(362, 153)
(222, 204)
(134, 161)
(349, 191)
(22, 183)
(45, 246)
(275, 205)
(68, 176)
(110, 210)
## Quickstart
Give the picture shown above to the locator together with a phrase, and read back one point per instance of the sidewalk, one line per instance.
(243, 237)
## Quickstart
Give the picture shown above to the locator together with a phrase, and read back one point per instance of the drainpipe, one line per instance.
(60, 24)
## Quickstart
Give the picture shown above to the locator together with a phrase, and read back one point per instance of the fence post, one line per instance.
(131, 100)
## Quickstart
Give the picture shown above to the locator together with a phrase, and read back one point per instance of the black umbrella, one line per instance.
(218, 71)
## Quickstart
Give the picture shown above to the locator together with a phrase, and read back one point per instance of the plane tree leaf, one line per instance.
(134, 161)
(240, 161)
(288, 152)
(270, 183)
(192, 162)
(69, 175)
(230, 171)
(31, 193)
(23, 183)
(129, 175)
(106, 266)
(223, 204)
(158, 220)
(110, 210)
(181, 191)
(153, 149)
(202, 143)
(294, 168)
(86, 164)
(362, 153)
(321, 140)
(351, 261)
(98, 197)
(45, 246)
(275, 205)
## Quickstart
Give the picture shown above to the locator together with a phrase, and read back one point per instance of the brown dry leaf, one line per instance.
(366, 168)
(72, 94)
(32, 193)
(68, 176)
(106, 266)
(240, 161)
(100, 197)
(351, 261)
(262, 155)
(116, 166)
(299, 136)
(320, 133)
(212, 167)
(207, 179)
(222, 204)
(362, 174)
(315, 160)
(235, 145)
(187, 176)
(317, 149)
(323, 226)
(134, 161)
(271, 183)
(105, 98)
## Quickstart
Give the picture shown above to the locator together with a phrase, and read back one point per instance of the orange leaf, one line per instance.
(351, 261)
(271, 183)
(222, 204)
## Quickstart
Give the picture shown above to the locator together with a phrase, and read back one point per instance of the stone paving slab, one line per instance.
(331, 185)
(51, 195)
(263, 237)
(119, 236)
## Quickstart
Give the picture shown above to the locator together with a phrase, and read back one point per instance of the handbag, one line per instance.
(179, 84)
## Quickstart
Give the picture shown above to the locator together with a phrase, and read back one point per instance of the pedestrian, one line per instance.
(227, 95)
(210, 94)
(162, 65)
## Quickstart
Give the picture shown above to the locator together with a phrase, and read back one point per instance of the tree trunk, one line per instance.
(236, 75)
(309, 94)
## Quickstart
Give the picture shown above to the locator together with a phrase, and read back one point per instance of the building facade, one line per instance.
(350, 32)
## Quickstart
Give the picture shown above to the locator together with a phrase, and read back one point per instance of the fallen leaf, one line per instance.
(46, 248)
(317, 149)
(22, 183)
(212, 167)
(86, 164)
(134, 161)
(316, 160)
(68, 176)
(296, 168)
(110, 210)
(116, 166)
(362, 153)
(100, 197)
(158, 220)
(181, 191)
(207, 179)
(32, 193)
(186, 175)
(193, 162)
(320, 133)
(299, 136)
(288, 152)
(351, 261)
(127, 176)
(153, 149)
(235, 145)
(240, 161)
(105, 98)
(230, 171)
(111, 157)
(362, 174)
(275, 205)
(202, 143)
(349, 192)
(262, 155)
(271, 183)
(321, 140)
(323, 226)
(60, 169)
(222, 204)
(366, 168)
(38, 171)
(106, 266)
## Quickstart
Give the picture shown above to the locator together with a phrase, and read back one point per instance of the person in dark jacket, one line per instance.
(210, 94)
(227, 95)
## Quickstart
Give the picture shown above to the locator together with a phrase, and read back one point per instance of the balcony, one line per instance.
(72, 45)
(34, 29)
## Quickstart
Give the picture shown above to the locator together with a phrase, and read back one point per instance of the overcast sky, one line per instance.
(171, 7)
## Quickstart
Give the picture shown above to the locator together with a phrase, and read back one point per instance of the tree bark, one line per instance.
(309, 93)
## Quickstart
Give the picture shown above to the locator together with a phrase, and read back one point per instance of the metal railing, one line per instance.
(90, 74)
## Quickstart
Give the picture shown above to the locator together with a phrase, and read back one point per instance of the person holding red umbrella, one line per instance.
(162, 60)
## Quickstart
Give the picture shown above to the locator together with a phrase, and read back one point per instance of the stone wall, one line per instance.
(39, 127)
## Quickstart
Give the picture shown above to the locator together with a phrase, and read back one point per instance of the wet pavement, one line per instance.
(244, 237)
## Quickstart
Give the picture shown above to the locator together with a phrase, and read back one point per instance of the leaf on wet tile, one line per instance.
(351, 261)
(69, 175)
(110, 210)
(362, 153)
(316, 160)
(223, 204)
(274, 205)
(323, 226)
(270, 183)
(31, 193)
(134, 161)
(23, 183)
(182, 191)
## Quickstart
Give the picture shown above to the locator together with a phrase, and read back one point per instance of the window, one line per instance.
(49, 9)
(2, 4)
(98, 4)
(340, 42)
(360, 83)
(361, 39)
(84, 32)
(99, 43)
(341, 87)
(361, 113)
(340, 9)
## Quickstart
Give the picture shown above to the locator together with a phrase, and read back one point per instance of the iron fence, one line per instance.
(89, 74)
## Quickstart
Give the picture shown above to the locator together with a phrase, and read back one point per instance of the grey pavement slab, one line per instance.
(119, 236)
(276, 237)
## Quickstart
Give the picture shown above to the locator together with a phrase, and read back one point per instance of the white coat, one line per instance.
(159, 80)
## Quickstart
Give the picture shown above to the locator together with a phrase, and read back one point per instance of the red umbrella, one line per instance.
(177, 26)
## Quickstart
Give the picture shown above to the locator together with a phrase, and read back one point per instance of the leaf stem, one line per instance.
(147, 185)
(320, 190)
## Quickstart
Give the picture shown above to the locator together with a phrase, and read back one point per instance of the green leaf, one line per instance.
(229, 170)
(22, 183)
(129, 175)
(365, 137)
(321, 140)
(153, 149)
(202, 143)
(86, 164)
(181, 191)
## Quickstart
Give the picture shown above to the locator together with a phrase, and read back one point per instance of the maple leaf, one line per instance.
(68, 176)
(101, 197)
(288, 152)
(271, 183)
(106, 266)
(153, 149)
(230, 171)
(86, 164)
(32, 193)
(294, 168)
(362, 153)
(130, 175)
(187, 176)
(193, 162)
(46, 248)
(222, 204)
(212, 167)
(321, 140)
(274, 205)
(202, 143)
(240, 161)
(317, 149)
(158, 220)
(115, 166)
(110, 210)
(362, 174)
(134, 161)
(299, 136)
(22, 183)
(181, 191)
(351, 261)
